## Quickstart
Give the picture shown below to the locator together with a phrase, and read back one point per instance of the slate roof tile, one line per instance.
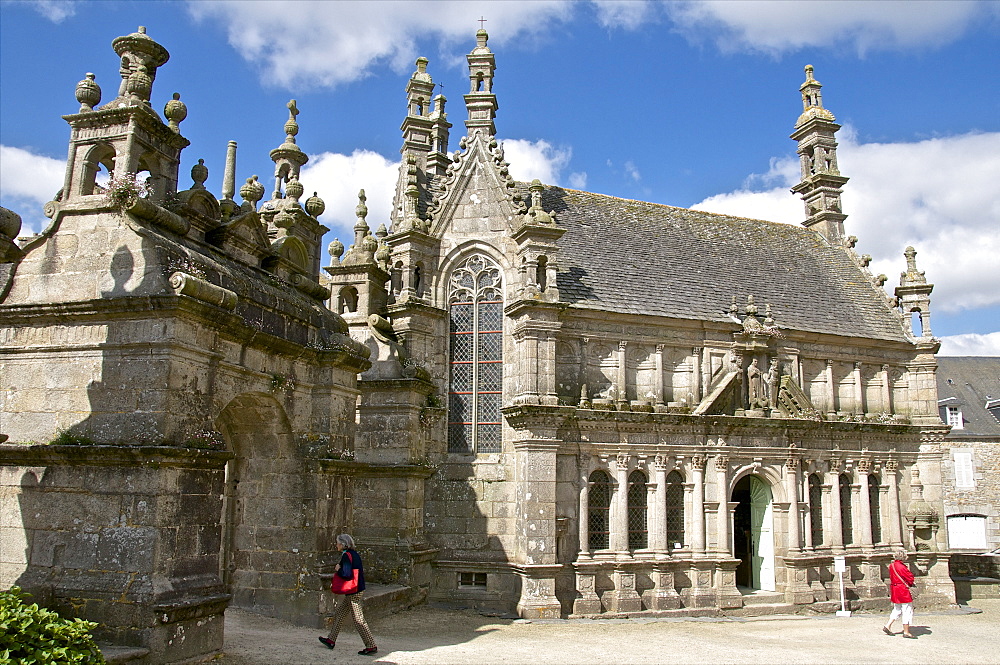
(630, 256)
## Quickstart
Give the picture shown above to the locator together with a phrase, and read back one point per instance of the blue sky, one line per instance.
(683, 103)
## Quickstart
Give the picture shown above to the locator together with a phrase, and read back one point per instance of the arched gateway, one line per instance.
(753, 533)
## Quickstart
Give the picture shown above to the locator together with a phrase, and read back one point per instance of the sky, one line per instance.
(683, 103)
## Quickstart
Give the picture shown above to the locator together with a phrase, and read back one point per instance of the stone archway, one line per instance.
(753, 533)
(266, 541)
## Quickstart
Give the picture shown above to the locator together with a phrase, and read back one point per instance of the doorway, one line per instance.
(753, 533)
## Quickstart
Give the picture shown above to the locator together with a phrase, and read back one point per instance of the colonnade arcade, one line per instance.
(678, 512)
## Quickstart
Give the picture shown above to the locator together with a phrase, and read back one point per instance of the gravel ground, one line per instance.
(436, 636)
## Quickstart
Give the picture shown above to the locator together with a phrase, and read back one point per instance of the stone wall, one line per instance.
(984, 497)
(125, 536)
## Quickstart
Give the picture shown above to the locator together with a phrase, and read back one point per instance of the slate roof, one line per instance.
(969, 382)
(630, 256)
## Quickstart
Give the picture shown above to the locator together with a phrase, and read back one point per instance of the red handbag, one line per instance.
(342, 585)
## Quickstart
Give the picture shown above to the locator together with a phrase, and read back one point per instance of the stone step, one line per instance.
(968, 588)
(763, 598)
(384, 599)
(763, 609)
(117, 655)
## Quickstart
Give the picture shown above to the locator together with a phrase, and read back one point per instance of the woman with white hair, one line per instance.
(349, 583)
(900, 581)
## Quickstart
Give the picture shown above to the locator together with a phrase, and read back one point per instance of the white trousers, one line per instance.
(904, 609)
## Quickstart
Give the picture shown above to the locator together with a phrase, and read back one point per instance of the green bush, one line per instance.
(33, 635)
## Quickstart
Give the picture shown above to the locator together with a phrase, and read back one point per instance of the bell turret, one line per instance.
(481, 102)
(821, 184)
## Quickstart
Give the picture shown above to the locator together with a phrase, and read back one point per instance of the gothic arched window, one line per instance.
(846, 518)
(816, 509)
(638, 534)
(675, 510)
(476, 355)
(599, 507)
(876, 507)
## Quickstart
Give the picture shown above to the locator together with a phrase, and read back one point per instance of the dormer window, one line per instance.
(955, 417)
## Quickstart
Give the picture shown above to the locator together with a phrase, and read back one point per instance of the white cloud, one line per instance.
(938, 195)
(578, 180)
(322, 44)
(632, 171)
(626, 14)
(338, 178)
(778, 25)
(971, 344)
(28, 181)
(536, 159)
(55, 10)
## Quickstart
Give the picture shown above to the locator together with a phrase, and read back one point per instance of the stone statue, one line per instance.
(755, 384)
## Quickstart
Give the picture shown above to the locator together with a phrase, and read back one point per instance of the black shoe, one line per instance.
(368, 651)
(328, 642)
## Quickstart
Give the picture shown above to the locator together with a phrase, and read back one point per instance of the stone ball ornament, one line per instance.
(88, 93)
(336, 249)
(175, 111)
(252, 191)
(315, 206)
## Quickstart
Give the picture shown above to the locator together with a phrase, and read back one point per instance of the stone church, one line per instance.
(517, 397)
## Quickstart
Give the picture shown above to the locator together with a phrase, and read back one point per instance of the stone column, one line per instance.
(894, 523)
(833, 536)
(584, 526)
(652, 525)
(859, 395)
(807, 534)
(619, 499)
(792, 488)
(659, 376)
(831, 388)
(660, 505)
(886, 389)
(622, 372)
(722, 515)
(864, 468)
(698, 505)
(706, 371)
(696, 386)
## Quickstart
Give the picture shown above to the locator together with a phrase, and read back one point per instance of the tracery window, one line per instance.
(846, 518)
(875, 507)
(816, 509)
(599, 508)
(638, 534)
(476, 355)
(675, 510)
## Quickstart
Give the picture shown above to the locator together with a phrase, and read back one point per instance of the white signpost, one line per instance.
(840, 567)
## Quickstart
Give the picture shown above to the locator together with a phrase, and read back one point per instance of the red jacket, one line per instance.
(900, 581)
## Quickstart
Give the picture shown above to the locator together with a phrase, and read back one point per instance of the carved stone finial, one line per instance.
(381, 232)
(88, 93)
(291, 126)
(336, 250)
(809, 73)
(315, 206)
(175, 111)
(361, 210)
(252, 191)
(199, 174)
(294, 189)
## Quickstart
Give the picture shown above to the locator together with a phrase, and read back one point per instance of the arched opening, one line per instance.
(348, 300)
(675, 510)
(753, 533)
(479, 82)
(418, 279)
(540, 272)
(875, 506)
(264, 504)
(599, 507)
(396, 279)
(816, 509)
(915, 325)
(98, 169)
(638, 533)
(846, 517)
